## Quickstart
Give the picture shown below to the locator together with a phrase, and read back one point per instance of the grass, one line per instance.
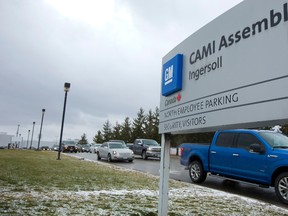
(35, 183)
(40, 170)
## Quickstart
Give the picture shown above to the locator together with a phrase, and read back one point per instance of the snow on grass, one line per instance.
(188, 200)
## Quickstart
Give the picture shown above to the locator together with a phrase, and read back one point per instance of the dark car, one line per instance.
(45, 148)
(147, 148)
(69, 146)
(85, 148)
(79, 147)
(55, 147)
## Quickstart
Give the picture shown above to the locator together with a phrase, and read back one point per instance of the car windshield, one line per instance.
(150, 142)
(118, 141)
(275, 140)
(115, 145)
(69, 142)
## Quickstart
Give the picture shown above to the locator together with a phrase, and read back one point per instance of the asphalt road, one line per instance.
(178, 172)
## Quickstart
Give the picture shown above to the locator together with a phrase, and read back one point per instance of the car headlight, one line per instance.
(114, 152)
(149, 149)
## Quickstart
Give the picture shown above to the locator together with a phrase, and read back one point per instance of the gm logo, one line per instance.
(168, 75)
(172, 75)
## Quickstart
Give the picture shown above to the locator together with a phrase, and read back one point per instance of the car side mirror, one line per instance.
(256, 147)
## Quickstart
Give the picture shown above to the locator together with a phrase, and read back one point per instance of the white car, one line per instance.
(114, 151)
(94, 147)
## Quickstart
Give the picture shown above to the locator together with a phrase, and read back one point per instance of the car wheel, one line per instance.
(281, 187)
(109, 158)
(196, 172)
(98, 156)
(144, 155)
(130, 161)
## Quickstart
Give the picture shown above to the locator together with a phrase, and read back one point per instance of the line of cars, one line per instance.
(116, 150)
(74, 147)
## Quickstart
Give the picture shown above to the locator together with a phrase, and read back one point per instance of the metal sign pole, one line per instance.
(164, 175)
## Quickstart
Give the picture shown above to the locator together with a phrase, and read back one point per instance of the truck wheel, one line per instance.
(281, 187)
(196, 172)
(144, 155)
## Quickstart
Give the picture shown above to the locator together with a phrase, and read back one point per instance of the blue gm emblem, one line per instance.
(172, 75)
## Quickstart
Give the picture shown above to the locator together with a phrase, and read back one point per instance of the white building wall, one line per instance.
(5, 139)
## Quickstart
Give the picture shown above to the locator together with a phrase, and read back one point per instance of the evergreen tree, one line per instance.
(149, 125)
(155, 131)
(107, 131)
(98, 138)
(152, 125)
(138, 125)
(126, 130)
(83, 140)
(117, 131)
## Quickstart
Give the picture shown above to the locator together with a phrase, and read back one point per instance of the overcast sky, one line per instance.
(110, 51)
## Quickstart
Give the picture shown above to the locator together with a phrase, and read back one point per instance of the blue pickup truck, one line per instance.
(255, 156)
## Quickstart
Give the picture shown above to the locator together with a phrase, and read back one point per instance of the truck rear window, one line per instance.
(225, 139)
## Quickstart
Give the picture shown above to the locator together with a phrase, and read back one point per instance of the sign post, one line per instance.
(164, 175)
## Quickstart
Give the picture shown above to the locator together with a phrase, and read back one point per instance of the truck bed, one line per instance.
(188, 149)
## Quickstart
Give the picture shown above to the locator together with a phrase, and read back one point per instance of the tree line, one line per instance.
(145, 126)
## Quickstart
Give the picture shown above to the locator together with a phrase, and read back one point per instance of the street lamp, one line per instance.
(17, 132)
(28, 139)
(66, 89)
(17, 142)
(43, 111)
(32, 135)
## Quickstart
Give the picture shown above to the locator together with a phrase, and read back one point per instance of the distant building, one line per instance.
(5, 139)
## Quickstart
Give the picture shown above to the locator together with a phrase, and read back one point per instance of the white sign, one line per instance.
(234, 72)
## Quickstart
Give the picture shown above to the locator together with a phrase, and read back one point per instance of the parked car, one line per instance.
(147, 148)
(94, 147)
(113, 151)
(69, 146)
(86, 148)
(45, 148)
(55, 147)
(79, 147)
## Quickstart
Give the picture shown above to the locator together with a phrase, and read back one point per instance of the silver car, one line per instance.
(114, 151)
(94, 147)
